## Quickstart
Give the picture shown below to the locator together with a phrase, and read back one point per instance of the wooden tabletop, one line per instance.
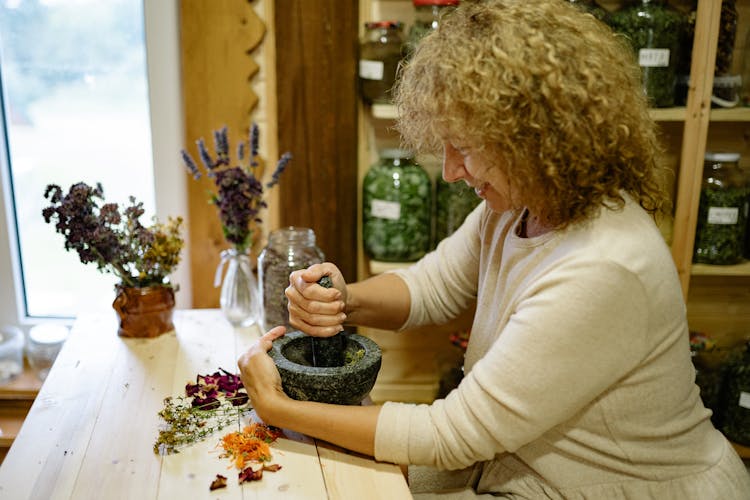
(91, 429)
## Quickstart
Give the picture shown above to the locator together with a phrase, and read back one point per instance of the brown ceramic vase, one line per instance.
(144, 312)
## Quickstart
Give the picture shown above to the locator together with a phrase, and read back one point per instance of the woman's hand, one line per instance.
(313, 309)
(260, 376)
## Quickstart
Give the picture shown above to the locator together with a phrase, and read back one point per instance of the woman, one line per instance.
(578, 378)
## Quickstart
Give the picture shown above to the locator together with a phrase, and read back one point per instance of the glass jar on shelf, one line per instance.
(654, 30)
(722, 211)
(591, 7)
(288, 249)
(453, 202)
(427, 14)
(396, 206)
(380, 52)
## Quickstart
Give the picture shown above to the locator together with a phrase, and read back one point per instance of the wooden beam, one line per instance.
(316, 61)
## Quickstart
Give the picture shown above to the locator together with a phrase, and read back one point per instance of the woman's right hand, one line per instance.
(313, 309)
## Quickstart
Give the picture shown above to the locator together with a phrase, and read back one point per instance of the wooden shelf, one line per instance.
(742, 269)
(742, 451)
(678, 114)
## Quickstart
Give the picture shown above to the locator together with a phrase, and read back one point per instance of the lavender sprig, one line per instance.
(239, 193)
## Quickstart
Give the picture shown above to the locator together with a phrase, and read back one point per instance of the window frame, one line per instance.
(161, 22)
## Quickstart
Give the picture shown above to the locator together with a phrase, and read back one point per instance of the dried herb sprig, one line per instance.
(210, 404)
(239, 192)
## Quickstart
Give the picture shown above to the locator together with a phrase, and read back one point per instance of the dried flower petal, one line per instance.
(219, 482)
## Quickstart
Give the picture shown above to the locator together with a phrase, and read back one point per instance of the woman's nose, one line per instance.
(453, 164)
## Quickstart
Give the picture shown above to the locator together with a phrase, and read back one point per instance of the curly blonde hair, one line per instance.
(549, 92)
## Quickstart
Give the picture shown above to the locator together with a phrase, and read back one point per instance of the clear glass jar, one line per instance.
(736, 404)
(397, 206)
(722, 213)
(288, 249)
(11, 353)
(453, 202)
(591, 7)
(654, 30)
(427, 14)
(44, 344)
(380, 52)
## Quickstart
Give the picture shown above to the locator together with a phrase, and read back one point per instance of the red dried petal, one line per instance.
(219, 482)
(248, 474)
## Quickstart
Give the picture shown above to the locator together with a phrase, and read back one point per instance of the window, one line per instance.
(76, 108)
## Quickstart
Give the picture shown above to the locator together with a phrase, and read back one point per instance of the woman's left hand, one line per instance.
(260, 376)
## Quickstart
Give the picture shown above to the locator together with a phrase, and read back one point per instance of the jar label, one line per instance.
(385, 209)
(723, 215)
(653, 58)
(371, 70)
(745, 400)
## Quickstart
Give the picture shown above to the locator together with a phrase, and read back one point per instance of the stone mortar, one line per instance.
(348, 384)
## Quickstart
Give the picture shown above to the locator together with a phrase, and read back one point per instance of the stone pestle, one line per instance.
(328, 351)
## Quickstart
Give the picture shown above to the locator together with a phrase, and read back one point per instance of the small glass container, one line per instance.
(427, 14)
(288, 249)
(654, 30)
(736, 404)
(722, 212)
(396, 206)
(11, 353)
(44, 344)
(380, 52)
(453, 202)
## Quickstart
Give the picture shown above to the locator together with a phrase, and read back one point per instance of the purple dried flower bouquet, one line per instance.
(117, 242)
(239, 193)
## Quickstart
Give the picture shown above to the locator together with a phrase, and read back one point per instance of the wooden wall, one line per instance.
(316, 78)
(291, 67)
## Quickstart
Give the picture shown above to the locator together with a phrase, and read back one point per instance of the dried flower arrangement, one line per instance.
(239, 192)
(117, 242)
(211, 403)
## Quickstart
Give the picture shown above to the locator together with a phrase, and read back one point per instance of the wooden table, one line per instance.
(91, 429)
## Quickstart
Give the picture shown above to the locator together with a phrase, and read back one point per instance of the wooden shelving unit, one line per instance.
(16, 398)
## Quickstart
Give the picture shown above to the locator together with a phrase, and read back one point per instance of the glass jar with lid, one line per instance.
(288, 249)
(427, 14)
(396, 206)
(380, 52)
(722, 212)
(453, 202)
(653, 29)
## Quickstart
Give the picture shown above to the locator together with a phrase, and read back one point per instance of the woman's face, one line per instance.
(462, 163)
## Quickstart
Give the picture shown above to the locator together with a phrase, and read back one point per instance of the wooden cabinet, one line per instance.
(718, 297)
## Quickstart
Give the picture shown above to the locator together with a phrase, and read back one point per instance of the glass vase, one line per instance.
(239, 289)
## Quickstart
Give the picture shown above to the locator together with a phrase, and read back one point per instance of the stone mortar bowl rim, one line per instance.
(282, 361)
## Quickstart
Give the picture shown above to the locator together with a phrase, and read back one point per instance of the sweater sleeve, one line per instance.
(573, 334)
(444, 282)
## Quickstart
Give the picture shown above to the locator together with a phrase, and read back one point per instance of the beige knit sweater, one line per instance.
(578, 379)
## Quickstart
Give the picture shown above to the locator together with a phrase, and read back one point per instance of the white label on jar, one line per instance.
(723, 215)
(653, 58)
(745, 400)
(371, 70)
(386, 209)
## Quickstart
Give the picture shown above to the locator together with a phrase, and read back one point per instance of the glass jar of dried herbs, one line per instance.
(380, 52)
(653, 29)
(397, 208)
(427, 14)
(722, 211)
(736, 420)
(591, 7)
(453, 202)
(288, 249)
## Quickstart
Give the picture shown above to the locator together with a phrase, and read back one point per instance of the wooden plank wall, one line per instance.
(316, 83)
